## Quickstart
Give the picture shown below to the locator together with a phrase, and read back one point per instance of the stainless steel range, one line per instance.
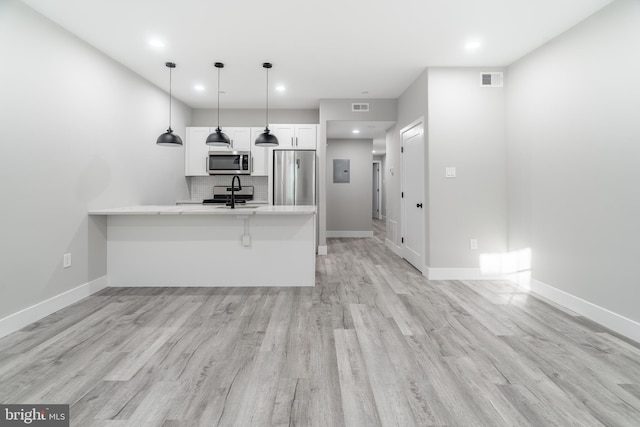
(222, 195)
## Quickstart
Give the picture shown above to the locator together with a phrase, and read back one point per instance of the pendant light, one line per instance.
(168, 139)
(218, 138)
(266, 139)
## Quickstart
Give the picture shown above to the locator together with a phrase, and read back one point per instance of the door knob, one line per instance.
(419, 205)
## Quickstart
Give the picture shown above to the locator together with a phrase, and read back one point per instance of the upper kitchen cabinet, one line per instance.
(295, 136)
(259, 155)
(195, 151)
(240, 139)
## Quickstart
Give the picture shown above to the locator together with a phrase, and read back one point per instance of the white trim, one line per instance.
(616, 322)
(432, 273)
(22, 318)
(394, 248)
(349, 233)
(322, 250)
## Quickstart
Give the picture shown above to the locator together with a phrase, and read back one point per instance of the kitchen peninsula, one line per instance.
(210, 246)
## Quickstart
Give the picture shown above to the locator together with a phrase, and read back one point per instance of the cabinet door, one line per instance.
(259, 155)
(305, 136)
(240, 138)
(285, 135)
(195, 153)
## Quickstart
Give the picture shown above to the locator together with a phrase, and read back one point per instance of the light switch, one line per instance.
(450, 172)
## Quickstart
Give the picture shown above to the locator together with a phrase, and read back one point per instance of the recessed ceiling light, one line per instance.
(373, 151)
(472, 45)
(156, 43)
(281, 88)
(355, 131)
(199, 88)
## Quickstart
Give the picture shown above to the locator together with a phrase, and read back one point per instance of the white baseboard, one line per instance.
(394, 248)
(22, 318)
(432, 273)
(622, 325)
(350, 233)
(322, 250)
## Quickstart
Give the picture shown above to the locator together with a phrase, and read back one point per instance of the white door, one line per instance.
(413, 202)
(375, 196)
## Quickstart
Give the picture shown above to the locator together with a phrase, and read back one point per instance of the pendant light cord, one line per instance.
(168, 130)
(266, 126)
(218, 98)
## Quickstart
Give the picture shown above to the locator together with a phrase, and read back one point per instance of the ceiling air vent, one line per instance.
(360, 107)
(491, 79)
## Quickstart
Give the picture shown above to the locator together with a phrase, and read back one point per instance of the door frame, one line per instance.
(379, 164)
(403, 208)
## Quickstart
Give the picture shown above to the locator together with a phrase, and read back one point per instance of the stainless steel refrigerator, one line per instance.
(294, 177)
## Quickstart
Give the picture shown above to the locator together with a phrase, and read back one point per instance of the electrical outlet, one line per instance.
(246, 240)
(66, 260)
(450, 172)
(473, 244)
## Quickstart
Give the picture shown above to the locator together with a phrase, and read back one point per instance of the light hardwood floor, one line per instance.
(374, 343)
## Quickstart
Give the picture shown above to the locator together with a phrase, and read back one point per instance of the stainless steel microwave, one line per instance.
(229, 163)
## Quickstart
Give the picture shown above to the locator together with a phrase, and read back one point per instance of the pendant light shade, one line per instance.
(266, 139)
(168, 139)
(218, 138)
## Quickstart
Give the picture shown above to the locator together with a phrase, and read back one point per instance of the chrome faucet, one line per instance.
(233, 190)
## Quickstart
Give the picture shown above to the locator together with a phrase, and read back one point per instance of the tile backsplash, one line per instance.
(201, 187)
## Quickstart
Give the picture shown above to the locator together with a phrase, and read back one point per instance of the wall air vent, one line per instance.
(360, 107)
(494, 79)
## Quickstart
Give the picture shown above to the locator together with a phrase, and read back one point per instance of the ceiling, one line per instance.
(327, 49)
(343, 129)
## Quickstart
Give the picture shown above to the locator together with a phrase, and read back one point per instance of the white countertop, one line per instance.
(205, 210)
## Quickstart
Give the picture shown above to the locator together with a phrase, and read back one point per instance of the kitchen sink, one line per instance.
(237, 207)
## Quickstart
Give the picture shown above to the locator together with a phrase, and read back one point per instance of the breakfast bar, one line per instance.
(210, 246)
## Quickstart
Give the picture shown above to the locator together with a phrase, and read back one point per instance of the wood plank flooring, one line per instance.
(374, 343)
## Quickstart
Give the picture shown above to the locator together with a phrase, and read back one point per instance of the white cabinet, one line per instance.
(295, 136)
(195, 151)
(306, 136)
(285, 135)
(259, 155)
(240, 139)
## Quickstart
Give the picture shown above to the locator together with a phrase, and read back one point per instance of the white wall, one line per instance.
(252, 117)
(349, 204)
(412, 105)
(466, 130)
(79, 132)
(574, 157)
